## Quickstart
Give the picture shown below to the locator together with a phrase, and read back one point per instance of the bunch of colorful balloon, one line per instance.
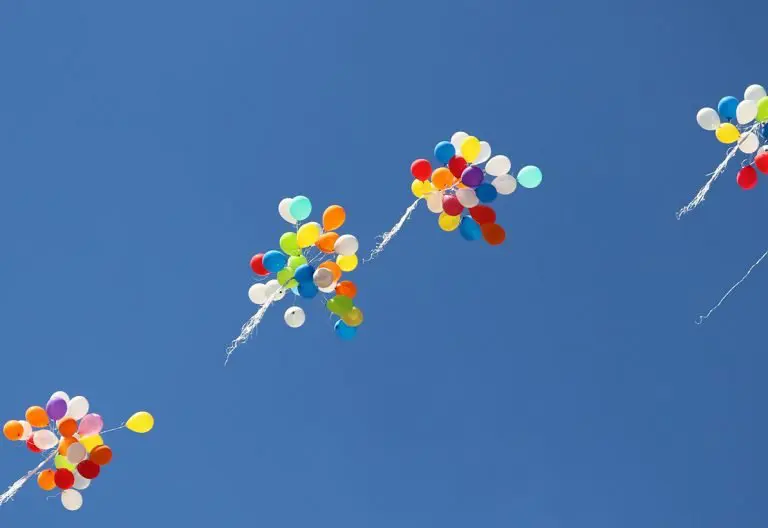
(72, 437)
(460, 189)
(311, 260)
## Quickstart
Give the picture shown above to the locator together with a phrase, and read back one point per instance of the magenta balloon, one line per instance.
(91, 424)
(56, 408)
(472, 176)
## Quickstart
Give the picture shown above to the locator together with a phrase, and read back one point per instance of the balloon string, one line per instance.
(389, 235)
(250, 326)
(122, 426)
(16, 486)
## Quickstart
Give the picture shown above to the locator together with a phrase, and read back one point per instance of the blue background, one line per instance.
(556, 381)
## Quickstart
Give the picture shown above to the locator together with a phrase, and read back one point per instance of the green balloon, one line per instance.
(340, 305)
(762, 109)
(61, 462)
(289, 244)
(529, 177)
(285, 275)
(295, 262)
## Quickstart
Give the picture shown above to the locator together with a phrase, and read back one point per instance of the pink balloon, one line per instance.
(91, 424)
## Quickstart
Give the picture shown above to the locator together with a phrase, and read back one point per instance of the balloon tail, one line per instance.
(724, 297)
(16, 486)
(701, 195)
(389, 235)
(249, 327)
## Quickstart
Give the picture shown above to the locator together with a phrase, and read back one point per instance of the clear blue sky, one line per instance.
(555, 382)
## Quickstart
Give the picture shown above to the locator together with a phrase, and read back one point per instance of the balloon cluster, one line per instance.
(311, 260)
(749, 132)
(461, 183)
(80, 452)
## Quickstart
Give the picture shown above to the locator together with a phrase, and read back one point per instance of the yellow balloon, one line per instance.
(427, 187)
(90, 442)
(470, 149)
(417, 188)
(141, 422)
(354, 317)
(347, 262)
(308, 234)
(727, 133)
(448, 223)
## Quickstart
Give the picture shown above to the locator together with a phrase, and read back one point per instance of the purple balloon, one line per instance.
(472, 176)
(91, 424)
(56, 408)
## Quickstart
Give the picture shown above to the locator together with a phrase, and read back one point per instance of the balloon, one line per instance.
(447, 222)
(344, 331)
(347, 289)
(64, 444)
(754, 92)
(340, 305)
(257, 293)
(61, 462)
(435, 202)
(727, 133)
(307, 290)
(347, 262)
(141, 422)
(485, 153)
(81, 482)
(284, 208)
(469, 229)
(44, 439)
(326, 242)
(285, 278)
(486, 192)
(257, 264)
(296, 261)
(77, 453)
(56, 408)
(457, 139)
(13, 430)
(323, 277)
(727, 107)
(294, 316)
(78, 407)
(498, 166)
(289, 243)
(354, 317)
(335, 269)
(708, 119)
(88, 469)
(67, 427)
(467, 197)
(457, 165)
(304, 273)
(530, 176)
(746, 111)
(26, 430)
(470, 149)
(300, 208)
(418, 188)
(761, 162)
(64, 478)
(505, 184)
(91, 442)
(334, 217)
(274, 261)
(420, 169)
(91, 424)
(274, 290)
(472, 176)
(71, 499)
(762, 109)
(329, 289)
(442, 178)
(451, 205)
(346, 245)
(45, 480)
(444, 151)
(31, 445)
(60, 394)
(36, 417)
(749, 143)
(493, 234)
(482, 214)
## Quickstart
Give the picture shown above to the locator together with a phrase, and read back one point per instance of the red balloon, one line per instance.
(456, 165)
(482, 214)
(493, 234)
(451, 205)
(88, 469)
(761, 160)
(64, 479)
(421, 169)
(32, 447)
(257, 264)
(747, 177)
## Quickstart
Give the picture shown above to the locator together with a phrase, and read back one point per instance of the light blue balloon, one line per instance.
(304, 273)
(307, 289)
(300, 208)
(295, 290)
(444, 151)
(469, 229)
(727, 107)
(529, 177)
(344, 331)
(274, 261)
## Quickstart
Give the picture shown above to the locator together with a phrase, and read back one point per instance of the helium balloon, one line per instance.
(257, 293)
(444, 151)
(88, 469)
(467, 197)
(421, 169)
(456, 165)
(296, 261)
(31, 445)
(26, 430)
(81, 482)
(63, 478)
(498, 166)
(300, 208)
(13, 430)
(284, 208)
(493, 234)
(91, 424)
(65, 443)
(71, 499)
(486, 192)
(457, 139)
(60, 394)
(56, 408)
(347, 262)
(749, 143)
(334, 217)
(323, 277)
(470, 149)
(76, 453)
(67, 427)
(346, 245)
(289, 243)
(530, 176)
(141, 422)
(435, 201)
(746, 112)
(37, 417)
(505, 184)
(419, 189)
(304, 273)
(448, 222)
(91, 442)
(761, 162)
(285, 276)
(307, 290)
(340, 305)
(78, 407)
(335, 269)
(727, 107)
(257, 265)
(754, 92)
(347, 289)
(708, 119)
(45, 480)
(472, 176)
(274, 290)
(442, 178)
(45, 439)
(353, 318)
(762, 110)
(482, 214)
(294, 317)
(326, 242)
(485, 153)
(344, 331)
(274, 261)
(469, 229)
(451, 205)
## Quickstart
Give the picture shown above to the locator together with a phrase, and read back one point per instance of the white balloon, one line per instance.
(81, 482)
(71, 499)
(435, 201)
(60, 394)
(467, 197)
(746, 112)
(498, 166)
(284, 208)
(505, 184)
(749, 143)
(294, 317)
(76, 453)
(44, 439)
(271, 288)
(281, 292)
(754, 92)
(485, 153)
(328, 289)
(708, 119)
(346, 245)
(78, 407)
(762, 149)
(322, 278)
(457, 139)
(27, 430)
(258, 293)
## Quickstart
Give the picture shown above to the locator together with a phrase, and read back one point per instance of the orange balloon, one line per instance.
(347, 289)
(68, 427)
(333, 218)
(442, 178)
(13, 430)
(101, 455)
(37, 417)
(45, 480)
(326, 241)
(64, 444)
(493, 233)
(335, 269)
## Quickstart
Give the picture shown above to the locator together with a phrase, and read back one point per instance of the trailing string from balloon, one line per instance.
(249, 327)
(16, 486)
(389, 235)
